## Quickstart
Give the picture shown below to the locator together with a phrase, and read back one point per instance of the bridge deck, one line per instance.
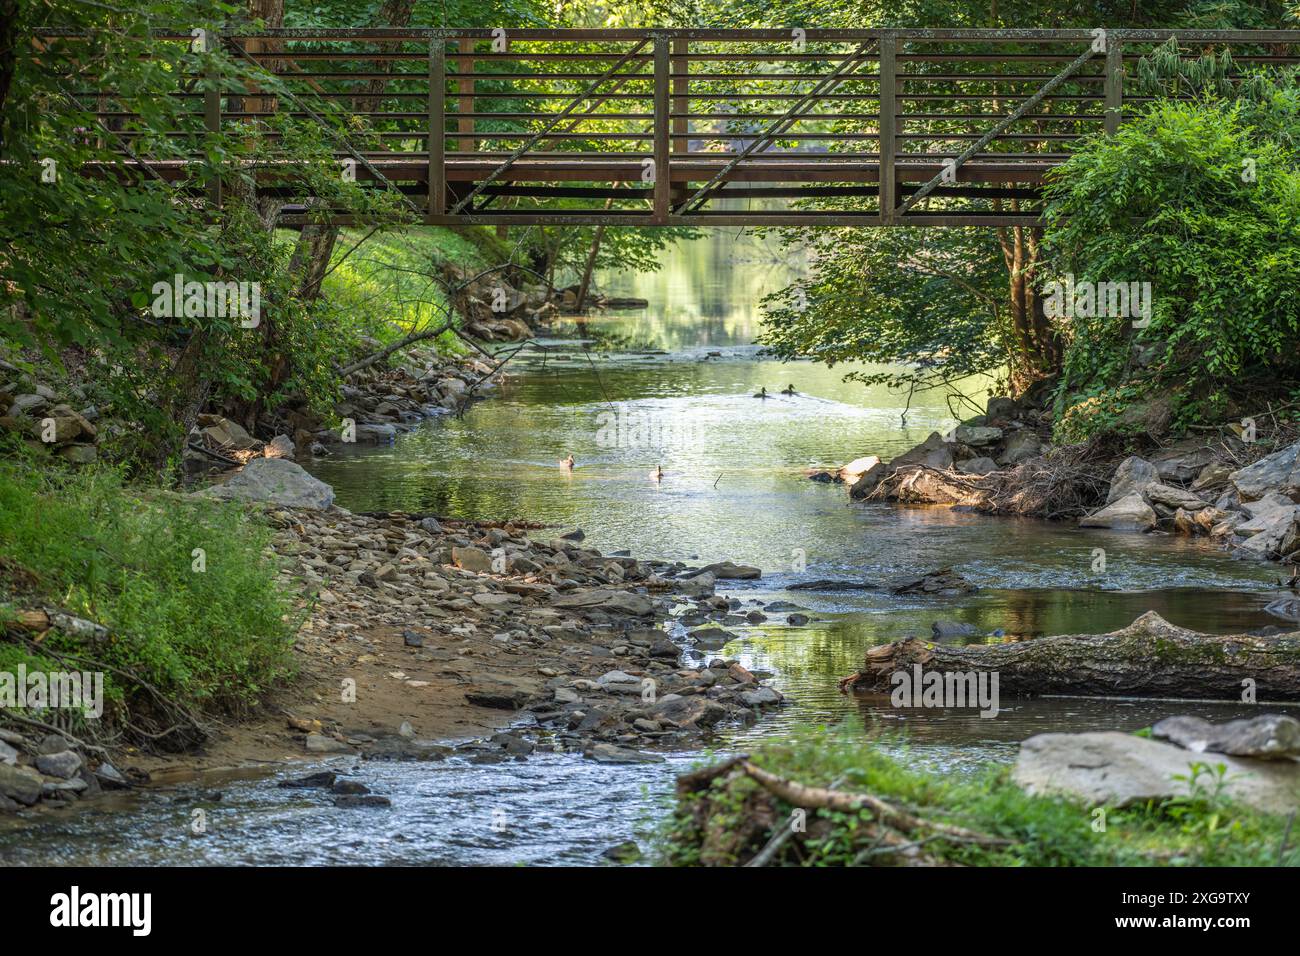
(663, 126)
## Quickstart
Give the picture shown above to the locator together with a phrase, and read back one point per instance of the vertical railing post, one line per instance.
(662, 180)
(437, 145)
(888, 109)
(1114, 85)
(465, 87)
(212, 119)
(681, 105)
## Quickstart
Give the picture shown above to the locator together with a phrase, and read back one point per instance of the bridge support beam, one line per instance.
(662, 179)
(1114, 85)
(437, 145)
(887, 128)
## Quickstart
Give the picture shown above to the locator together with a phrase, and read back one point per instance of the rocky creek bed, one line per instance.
(420, 634)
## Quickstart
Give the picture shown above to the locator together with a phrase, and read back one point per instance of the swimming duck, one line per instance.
(762, 393)
(789, 390)
(567, 463)
(657, 474)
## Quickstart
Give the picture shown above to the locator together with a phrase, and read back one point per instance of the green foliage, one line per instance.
(389, 286)
(926, 299)
(1199, 829)
(215, 639)
(1171, 201)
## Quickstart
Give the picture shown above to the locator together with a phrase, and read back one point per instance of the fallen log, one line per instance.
(1149, 658)
(45, 619)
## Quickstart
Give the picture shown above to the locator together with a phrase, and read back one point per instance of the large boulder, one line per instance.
(1275, 472)
(727, 571)
(977, 436)
(1133, 474)
(1158, 493)
(866, 482)
(1001, 408)
(934, 452)
(977, 466)
(855, 469)
(21, 784)
(925, 486)
(1019, 446)
(223, 433)
(275, 480)
(1183, 460)
(1115, 769)
(1130, 513)
(1272, 534)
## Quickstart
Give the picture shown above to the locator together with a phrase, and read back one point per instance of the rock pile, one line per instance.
(61, 425)
(495, 309)
(550, 627)
(1191, 489)
(380, 402)
(940, 468)
(50, 768)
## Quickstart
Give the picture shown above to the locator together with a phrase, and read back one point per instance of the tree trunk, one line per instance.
(589, 267)
(8, 54)
(1149, 658)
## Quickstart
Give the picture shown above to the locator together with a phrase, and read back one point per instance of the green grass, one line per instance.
(214, 640)
(1201, 830)
(385, 286)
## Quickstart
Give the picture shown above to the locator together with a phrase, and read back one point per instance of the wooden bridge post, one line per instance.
(681, 106)
(888, 110)
(1114, 85)
(662, 181)
(437, 145)
(212, 121)
(465, 87)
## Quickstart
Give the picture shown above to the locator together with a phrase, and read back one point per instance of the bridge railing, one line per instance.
(677, 126)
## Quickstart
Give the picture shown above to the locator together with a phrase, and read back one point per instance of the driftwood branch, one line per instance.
(395, 347)
(822, 798)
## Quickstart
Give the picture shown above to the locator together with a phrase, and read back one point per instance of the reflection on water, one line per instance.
(707, 292)
(734, 488)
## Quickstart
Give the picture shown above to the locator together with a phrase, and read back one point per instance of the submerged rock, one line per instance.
(1130, 513)
(609, 753)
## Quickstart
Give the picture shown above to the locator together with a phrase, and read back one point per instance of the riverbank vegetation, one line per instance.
(747, 812)
(1196, 197)
(179, 604)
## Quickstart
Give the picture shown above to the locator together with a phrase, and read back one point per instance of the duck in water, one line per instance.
(567, 463)
(762, 393)
(789, 390)
(657, 474)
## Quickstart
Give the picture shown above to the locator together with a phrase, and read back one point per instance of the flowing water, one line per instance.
(673, 386)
